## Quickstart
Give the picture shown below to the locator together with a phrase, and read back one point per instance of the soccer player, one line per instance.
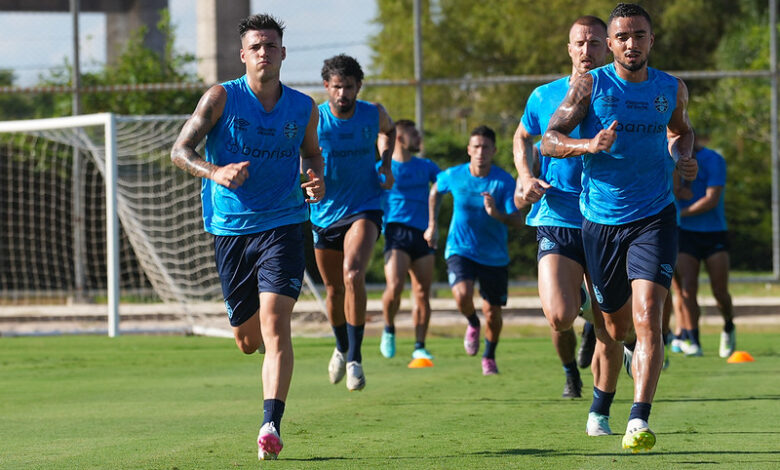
(626, 110)
(556, 213)
(347, 222)
(704, 237)
(259, 135)
(476, 250)
(406, 218)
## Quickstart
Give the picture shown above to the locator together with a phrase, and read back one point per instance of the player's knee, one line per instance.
(247, 345)
(334, 290)
(354, 277)
(560, 323)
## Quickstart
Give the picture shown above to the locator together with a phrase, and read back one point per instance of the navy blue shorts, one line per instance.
(408, 239)
(270, 261)
(702, 245)
(493, 280)
(618, 254)
(332, 237)
(564, 241)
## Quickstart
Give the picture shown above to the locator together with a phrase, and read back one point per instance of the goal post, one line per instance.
(143, 227)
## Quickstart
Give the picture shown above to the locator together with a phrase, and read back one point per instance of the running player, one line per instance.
(483, 206)
(347, 222)
(625, 111)
(253, 205)
(556, 213)
(406, 218)
(703, 237)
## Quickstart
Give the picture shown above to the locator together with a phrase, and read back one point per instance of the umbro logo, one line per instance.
(241, 124)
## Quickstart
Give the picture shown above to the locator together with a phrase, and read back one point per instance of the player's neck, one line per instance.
(342, 115)
(401, 155)
(635, 76)
(479, 172)
(267, 93)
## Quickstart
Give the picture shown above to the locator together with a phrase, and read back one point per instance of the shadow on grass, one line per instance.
(560, 453)
(714, 399)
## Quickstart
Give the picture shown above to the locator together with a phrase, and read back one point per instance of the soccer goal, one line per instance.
(94, 211)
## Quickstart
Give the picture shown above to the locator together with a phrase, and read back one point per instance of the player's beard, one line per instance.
(345, 107)
(633, 67)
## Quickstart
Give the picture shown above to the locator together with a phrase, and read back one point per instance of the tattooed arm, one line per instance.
(556, 141)
(183, 154)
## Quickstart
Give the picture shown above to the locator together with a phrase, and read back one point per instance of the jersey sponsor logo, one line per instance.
(641, 127)
(358, 152)
(545, 244)
(599, 297)
(290, 129)
(229, 309)
(241, 124)
(366, 133)
(636, 105)
(610, 101)
(266, 131)
(667, 270)
(661, 103)
(233, 147)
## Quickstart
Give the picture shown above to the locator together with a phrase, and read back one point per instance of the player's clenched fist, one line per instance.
(688, 168)
(315, 187)
(604, 139)
(231, 175)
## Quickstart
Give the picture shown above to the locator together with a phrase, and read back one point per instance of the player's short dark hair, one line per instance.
(627, 10)
(343, 66)
(590, 20)
(405, 124)
(486, 132)
(258, 22)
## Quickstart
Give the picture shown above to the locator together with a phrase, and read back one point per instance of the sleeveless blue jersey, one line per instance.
(559, 207)
(407, 201)
(712, 172)
(631, 181)
(473, 233)
(349, 150)
(270, 141)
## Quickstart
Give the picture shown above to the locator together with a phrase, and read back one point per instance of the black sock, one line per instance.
(419, 345)
(355, 334)
(640, 410)
(273, 410)
(571, 370)
(390, 329)
(342, 340)
(473, 320)
(490, 349)
(695, 336)
(602, 401)
(728, 327)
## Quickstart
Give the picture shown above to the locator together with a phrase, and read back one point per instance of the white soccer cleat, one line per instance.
(628, 357)
(269, 444)
(356, 381)
(638, 436)
(693, 350)
(677, 345)
(598, 425)
(728, 343)
(337, 366)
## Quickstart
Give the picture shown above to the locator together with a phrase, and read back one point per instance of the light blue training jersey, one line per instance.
(559, 207)
(270, 141)
(630, 182)
(473, 233)
(712, 172)
(407, 201)
(349, 150)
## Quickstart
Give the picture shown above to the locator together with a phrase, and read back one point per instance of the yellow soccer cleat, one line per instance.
(638, 436)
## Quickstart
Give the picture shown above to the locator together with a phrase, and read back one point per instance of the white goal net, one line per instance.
(61, 187)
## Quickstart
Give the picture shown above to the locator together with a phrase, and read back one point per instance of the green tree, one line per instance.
(13, 106)
(137, 64)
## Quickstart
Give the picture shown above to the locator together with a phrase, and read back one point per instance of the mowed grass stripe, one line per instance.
(187, 402)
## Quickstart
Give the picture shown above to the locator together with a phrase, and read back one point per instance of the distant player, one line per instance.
(476, 250)
(347, 222)
(406, 218)
(704, 237)
(253, 204)
(556, 215)
(626, 111)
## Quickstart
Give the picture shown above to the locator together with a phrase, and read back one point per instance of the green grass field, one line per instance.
(165, 402)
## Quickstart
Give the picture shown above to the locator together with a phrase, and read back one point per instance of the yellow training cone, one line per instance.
(420, 362)
(740, 356)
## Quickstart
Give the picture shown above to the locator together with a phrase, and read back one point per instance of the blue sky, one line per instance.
(32, 43)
